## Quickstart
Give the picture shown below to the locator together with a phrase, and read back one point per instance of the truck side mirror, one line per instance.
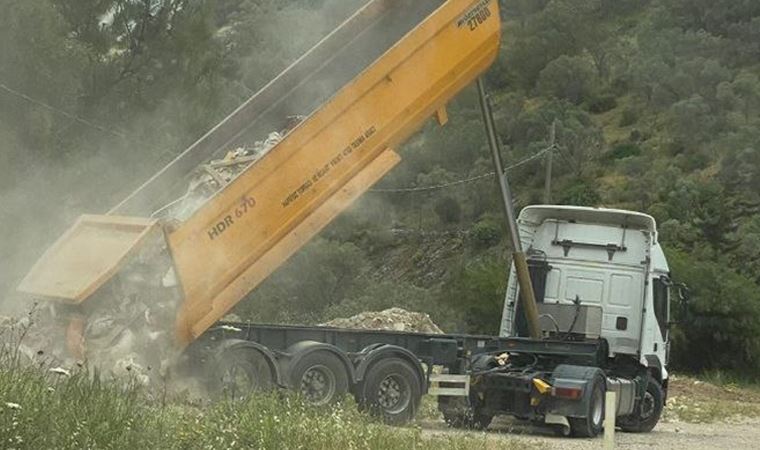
(684, 294)
(684, 297)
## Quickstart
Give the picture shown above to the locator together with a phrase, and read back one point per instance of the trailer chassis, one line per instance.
(474, 377)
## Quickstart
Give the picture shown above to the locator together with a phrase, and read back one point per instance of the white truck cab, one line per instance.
(596, 273)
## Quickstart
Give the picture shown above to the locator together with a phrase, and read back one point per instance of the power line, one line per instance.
(467, 180)
(397, 190)
(61, 112)
(84, 121)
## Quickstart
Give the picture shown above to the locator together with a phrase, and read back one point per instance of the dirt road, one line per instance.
(700, 415)
(667, 435)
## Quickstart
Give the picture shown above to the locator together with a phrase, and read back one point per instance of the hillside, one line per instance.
(656, 103)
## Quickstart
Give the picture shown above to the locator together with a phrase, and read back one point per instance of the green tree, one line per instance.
(702, 206)
(318, 276)
(583, 24)
(747, 243)
(477, 291)
(740, 170)
(47, 68)
(690, 121)
(746, 91)
(720, 329)
(567, 78)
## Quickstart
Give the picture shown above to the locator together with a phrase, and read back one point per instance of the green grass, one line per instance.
(712, 397)
(690, 410)
(731, 380)
(81, 412)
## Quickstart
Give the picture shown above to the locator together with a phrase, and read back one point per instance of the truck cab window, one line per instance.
(661, 300)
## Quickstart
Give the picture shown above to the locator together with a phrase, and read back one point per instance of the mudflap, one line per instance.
(572, 378)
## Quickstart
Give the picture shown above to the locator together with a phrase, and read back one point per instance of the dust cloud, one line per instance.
(47, 195)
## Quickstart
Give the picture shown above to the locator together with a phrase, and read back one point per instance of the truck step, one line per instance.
(456, 385)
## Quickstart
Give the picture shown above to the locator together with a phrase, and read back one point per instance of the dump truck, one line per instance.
(600, 314)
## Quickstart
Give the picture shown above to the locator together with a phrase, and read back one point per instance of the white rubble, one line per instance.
(393, 319)
(60, 371)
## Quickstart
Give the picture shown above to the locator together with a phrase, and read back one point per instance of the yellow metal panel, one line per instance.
(86, 256)
(542, 386)
(271, 260)
(442, 116)
(224, 241)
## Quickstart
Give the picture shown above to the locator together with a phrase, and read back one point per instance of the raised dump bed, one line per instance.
(363, 89)
(299, 90)
(244, 233)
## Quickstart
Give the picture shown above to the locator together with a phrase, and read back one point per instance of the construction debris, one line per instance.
(129, 316)
(60, 371)
(129, 335)
(122, 331)
(393, 319)
(210, 178)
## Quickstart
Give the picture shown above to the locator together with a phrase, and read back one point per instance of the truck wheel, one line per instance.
(592, 424)
(391, 390)
(320, 378)
(241, 371)
(648, 412)
(458, 414)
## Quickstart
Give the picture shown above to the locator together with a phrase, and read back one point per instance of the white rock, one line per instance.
(60, 371)
(170, 279)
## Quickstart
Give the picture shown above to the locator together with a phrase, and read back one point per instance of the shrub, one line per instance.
(448, 210)
(602, 103)
(624, 151)
(581, 193)
(629, 117)
(486, 232)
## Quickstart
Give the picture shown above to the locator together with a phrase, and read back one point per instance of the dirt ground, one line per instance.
(700, 415)
(667, 435)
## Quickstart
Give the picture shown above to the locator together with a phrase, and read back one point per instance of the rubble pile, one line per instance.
(393, 319)
(126, 354)
(130, 320)
(125, 330)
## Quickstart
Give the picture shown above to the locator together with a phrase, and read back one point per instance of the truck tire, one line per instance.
(648, 411)
(458, 414)
(391, 390)
(592, 424)
(320, 378)
(242, 371)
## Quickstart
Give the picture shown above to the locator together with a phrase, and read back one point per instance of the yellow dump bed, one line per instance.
(86, 257)
(365, 88)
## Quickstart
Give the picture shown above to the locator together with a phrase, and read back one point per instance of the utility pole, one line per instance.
(527, 295)
(550, 163)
